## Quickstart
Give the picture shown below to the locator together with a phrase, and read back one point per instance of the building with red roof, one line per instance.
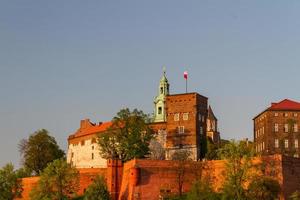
(83, 151)
(276, 129)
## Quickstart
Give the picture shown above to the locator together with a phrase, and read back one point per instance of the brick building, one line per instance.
(186, 123)
(179, 121)
(212, 127)
(276, 129)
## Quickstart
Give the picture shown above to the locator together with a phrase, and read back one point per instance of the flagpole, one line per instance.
(186, 85)
(185, 76)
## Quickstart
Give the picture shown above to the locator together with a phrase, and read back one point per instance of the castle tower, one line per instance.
(159, 101)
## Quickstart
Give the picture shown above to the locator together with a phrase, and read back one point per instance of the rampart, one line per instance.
(152, 179)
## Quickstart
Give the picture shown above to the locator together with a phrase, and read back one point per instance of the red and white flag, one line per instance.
(185, 75)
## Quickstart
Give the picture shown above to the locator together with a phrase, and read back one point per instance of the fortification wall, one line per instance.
(151, 179)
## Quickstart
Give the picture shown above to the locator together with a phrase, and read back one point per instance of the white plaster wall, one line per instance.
(82, 155)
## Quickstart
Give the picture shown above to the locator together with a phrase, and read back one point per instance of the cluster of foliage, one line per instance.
(97, 190)
(128, 137)
(238, 172)
(39, 150)
(240, 183)
(58, 181)
(10, 184)
(238, 156)
(181, 157)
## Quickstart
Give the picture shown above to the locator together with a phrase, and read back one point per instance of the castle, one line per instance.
(180, 122)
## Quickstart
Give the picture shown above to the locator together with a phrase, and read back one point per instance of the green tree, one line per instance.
(212, 150)
(97, 190)
(201, 190)
(58, 181)
(10, 185)
(23, 172)
(39, 150)
(295, 196)
(263, 188)
(128, 137)
(238, 156)
(181, 156)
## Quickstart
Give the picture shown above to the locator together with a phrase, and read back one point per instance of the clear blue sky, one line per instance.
(62, 61)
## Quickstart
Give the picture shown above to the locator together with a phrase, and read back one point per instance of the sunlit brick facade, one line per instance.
(276, 129)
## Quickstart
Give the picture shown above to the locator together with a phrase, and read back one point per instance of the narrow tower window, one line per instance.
(159, 110)
(161, 90)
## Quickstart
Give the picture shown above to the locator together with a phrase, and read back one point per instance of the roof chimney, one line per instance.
(84, 123)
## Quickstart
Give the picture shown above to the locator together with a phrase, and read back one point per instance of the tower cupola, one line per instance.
(159, 101)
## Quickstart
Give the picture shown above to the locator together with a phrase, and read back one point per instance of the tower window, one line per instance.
(276, 143)
(161, 90)
(185, 116)
(176, 117)
(180, 129)
(92, 156)
(159, 110)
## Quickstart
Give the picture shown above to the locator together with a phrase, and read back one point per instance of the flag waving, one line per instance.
(185, 75)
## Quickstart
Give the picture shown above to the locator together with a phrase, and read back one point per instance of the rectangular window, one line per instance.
(185, 116)
(72, 155)
(286, 143)
(203, 118)
(276, 114)
(286, 114)
(92, 156)
(263, 130)
(276, 143)
(296, 143)
(82, 143)
(295, 128)
(180, 129)
(276, 127)
(286, 128)
(176, 117)
(263, 145)
(295, 114)
(200, 117)
(296, 155)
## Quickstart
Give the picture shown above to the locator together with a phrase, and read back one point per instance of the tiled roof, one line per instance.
(92, 129)
(285, 104)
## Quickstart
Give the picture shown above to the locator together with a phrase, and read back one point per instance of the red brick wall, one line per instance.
(86, 178)
(146, 179)
(290, 175)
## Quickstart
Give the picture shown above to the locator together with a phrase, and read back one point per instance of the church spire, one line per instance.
(159, 101)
